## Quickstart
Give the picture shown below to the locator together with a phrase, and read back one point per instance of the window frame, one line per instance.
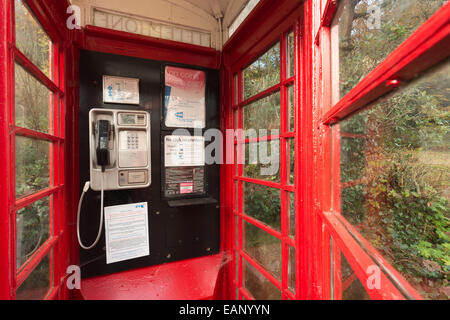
(239, 180)
(56, 138)
(424, 48)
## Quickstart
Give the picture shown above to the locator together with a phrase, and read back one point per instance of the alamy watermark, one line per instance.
(74, 20)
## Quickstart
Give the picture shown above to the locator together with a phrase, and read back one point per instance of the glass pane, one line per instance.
(262, 160)
(291, 213)
(263, 248)
(38, 283)
(263, 73)
(369, 30)
(355, 291)
(263, 114)
(291, 55)
(346, 269)
(291, 269)
(32, 101)
(31, 39)
(258, 285)
(352, 158)
(32, 229)
(291, 109)
(352, 289)
(353, 204)
(32, 166)
(263, 203)
(291, 161)
(403, 206)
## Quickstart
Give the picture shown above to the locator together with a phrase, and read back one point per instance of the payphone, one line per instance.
(181, 192)
(120, 155)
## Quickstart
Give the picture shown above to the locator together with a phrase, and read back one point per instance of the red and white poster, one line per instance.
(184, 98)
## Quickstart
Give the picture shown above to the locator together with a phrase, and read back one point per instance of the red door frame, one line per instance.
(51, 16)
(242, 49)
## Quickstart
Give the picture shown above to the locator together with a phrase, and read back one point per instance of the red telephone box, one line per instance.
(343, 103)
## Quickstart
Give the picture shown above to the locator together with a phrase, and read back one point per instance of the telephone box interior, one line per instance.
(125, 128)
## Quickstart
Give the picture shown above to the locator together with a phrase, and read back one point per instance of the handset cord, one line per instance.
(100, 227)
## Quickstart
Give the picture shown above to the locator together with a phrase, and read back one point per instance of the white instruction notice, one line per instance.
(184, 151)
(126, 228)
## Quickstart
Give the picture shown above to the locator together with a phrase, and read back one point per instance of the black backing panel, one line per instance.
(177, 232)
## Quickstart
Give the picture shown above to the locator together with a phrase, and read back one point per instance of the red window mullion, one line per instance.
(6, 37)
(299, 61)
(284, 156)
(262, 226)
(261, 269)
(246, 294)
(261, 182)
(34, 134)
(34, 260)
(386, 267)
(35, 71)
(359, 260)
(289, 81)
(56, 160)
(258, 139)
(261, 95)
(428, 45)
(26, 201)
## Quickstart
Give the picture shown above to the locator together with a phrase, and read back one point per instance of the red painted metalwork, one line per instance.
(329, 9)
(5, 169)
(192, 279)
(424, 48)
(35, 71)
(321, 234)
(127, 44)
(49, 15)
(237, 55)
(428, 45)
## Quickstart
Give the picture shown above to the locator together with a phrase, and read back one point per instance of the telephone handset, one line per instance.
(120, 155)
(103, 131)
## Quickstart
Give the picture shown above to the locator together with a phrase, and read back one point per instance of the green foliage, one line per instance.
(362, 48)
(263, 203)
(263, 73)
(399, 150)
(415, 218)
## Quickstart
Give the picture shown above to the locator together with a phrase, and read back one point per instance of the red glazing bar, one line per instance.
(5, 169)
(26, 201)
(261, 95)
(428, 45)
(35, 134)
(262, 226)
(35, 71)
(359, 260)
(34, 260)
(261, 182)
(262, 270)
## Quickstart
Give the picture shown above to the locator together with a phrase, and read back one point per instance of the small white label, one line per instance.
(120, 90)
(136, 177)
